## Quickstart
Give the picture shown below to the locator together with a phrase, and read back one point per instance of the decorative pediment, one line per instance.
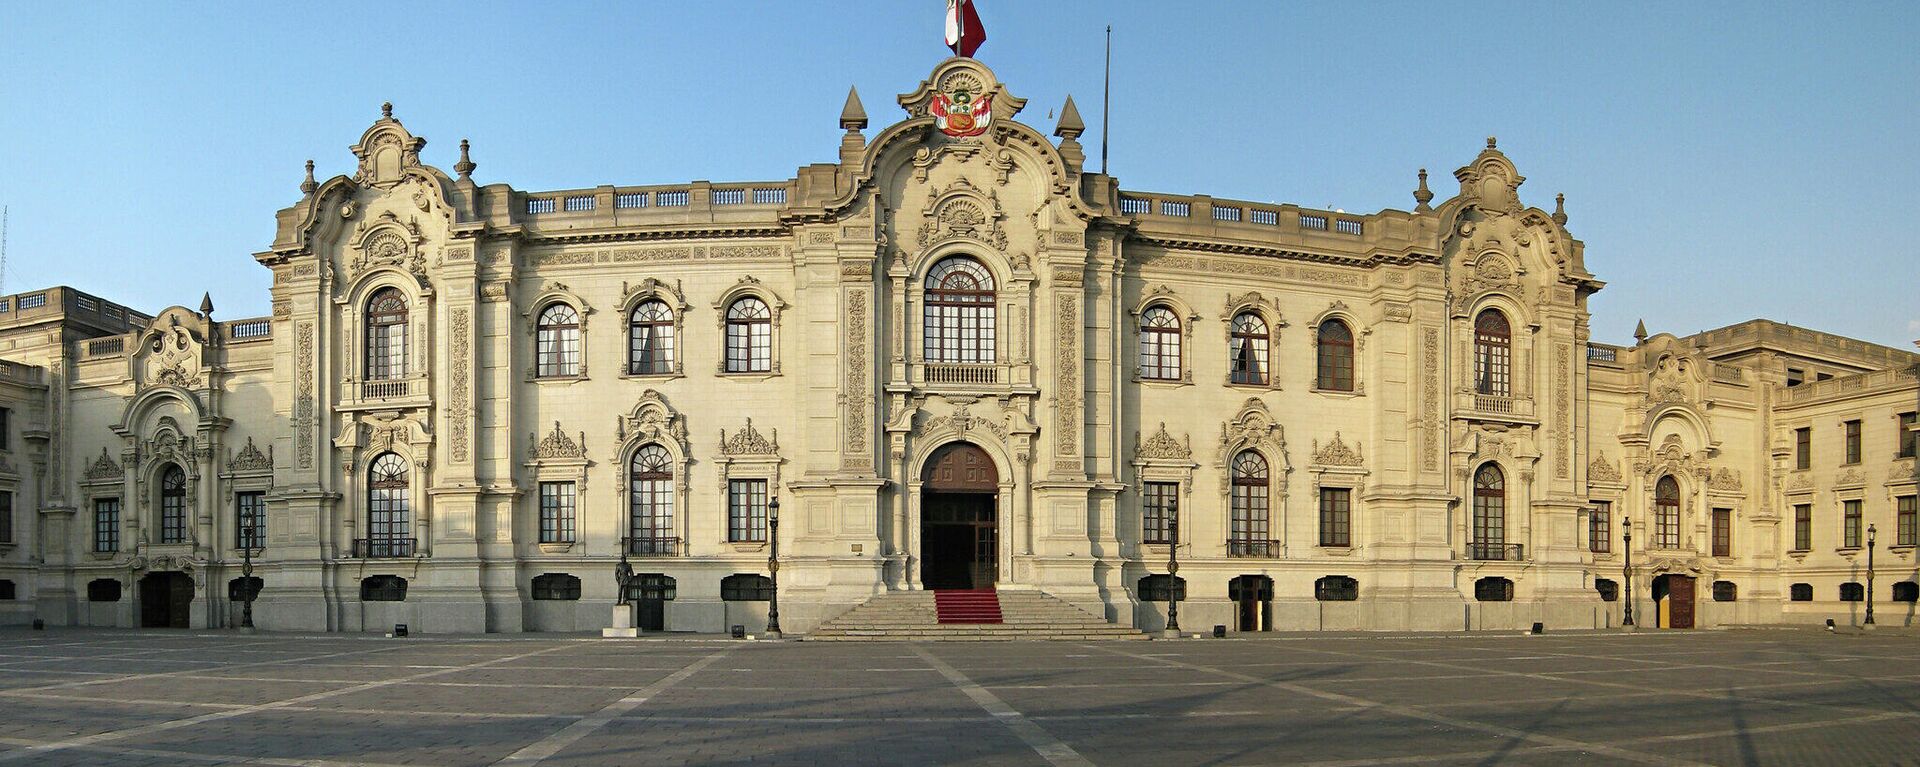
(386, 241)
(962, 81)
(1336, 453)
(386, 151)
(1801, 481)
(1254, 427)
(748, 441)
(1851, 478)
(1725, 480)
(1491, 271)
(1162, 446)
(1602, 470)
(1491, 182)
(558, 446)
(1904, 470)
(962, 420)
(373, 434)
(249, 458)
(963, 211)
(171, 351)
(653, 420)
(104, 467)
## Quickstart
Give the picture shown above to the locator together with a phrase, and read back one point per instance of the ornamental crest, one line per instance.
(387, 242)
(748, 441)
(962, 112)
(1725, 480)
(558, 445)
(249, 459)
(1162, 446)
(103, 467)
(1602, 470)
(170, 351)
(1336, 453)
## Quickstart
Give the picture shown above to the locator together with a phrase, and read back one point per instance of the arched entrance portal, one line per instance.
(959, 527)
(166, 600)
(1673, 599)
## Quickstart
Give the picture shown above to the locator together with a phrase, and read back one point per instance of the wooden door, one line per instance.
(155, 598)
(180, 600)
(652, 614)
(1679, 601)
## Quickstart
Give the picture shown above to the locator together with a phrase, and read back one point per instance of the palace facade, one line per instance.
(951, 358)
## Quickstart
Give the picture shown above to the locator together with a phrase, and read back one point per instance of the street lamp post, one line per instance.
(1173, 572)
(246, 575)
(1626, 534)
(773, 568)
(1869, 575)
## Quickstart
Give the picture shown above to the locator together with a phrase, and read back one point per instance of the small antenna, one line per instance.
(3, 248)
(1106, 99)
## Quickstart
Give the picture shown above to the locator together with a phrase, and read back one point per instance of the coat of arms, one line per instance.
(962, 114)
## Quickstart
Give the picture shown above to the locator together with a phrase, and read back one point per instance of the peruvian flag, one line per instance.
(964, 33)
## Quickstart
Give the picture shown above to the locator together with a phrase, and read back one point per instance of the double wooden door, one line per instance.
(166, 600)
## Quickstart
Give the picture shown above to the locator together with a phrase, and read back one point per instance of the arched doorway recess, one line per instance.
(166, 600)
(959, 523)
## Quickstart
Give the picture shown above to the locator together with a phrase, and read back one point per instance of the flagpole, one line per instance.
(1106, 98)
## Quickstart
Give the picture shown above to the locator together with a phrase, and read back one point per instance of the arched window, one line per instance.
(746, 587)
(650, 501)
(1666, 514)
(556, 586)
(383, 588)
(1248, 345)
(650, 339)
(386, 335)
(1489, 513)
(1159, 344)
(960, 313)
(1336, 356)
(389, 508)
(1852, 591)
(1800, 592)
(1492, 354)
(1162, 588)
(1493, 590)
(1248, 535)
(173, 505)
(1336, 588)
(557, 342)
(749, 336)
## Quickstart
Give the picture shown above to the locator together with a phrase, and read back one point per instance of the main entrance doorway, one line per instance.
(1252, 595)
(959, 520)
(1673, 596)
(166, 600)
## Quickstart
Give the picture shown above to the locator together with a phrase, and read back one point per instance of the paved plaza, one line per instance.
(1787, 697)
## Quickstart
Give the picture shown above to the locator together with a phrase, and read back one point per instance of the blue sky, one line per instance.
(1722, 161)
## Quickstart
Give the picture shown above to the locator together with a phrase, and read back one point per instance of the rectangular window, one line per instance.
(1796, 376)
(1336, 516)
(106, 525)
(1803, 448)
(1723, 532)
(1600, 528)
(1850, 524)
(250, 517)
(1908, 439)
(1853, 441)
(1158, 503)
(556, 512)
(6, 517)
(6, 428)
(1803, 527)
(746, 510)
(1903, 526)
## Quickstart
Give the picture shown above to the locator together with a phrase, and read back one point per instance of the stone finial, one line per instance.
(308, 186)
(386, 110)
(853, 116)
(465, 166)
(1493, 143)
(1640, 332)
(1560, 209)
(1070, 126)
(1423, 195)
(206, 304)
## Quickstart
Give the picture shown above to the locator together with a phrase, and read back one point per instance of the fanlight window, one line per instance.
(388, 502)
(173, 505)
(650, 501)
(749, 336)
(1492, 354)
(386, 323)
(1336, 356)
(1489, 512)
(557, 342)
(1159, 344)
(1248, 345)
(1666, 514)
(650, 339)
(1249, 504)
(959, 313)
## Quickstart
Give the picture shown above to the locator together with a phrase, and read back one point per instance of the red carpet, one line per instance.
(967, 606)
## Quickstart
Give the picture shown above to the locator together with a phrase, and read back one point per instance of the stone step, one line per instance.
(913, 616)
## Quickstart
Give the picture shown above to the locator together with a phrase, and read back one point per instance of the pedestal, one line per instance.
(621, 625)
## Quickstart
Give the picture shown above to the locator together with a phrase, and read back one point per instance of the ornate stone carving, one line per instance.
(653, 420)
(461, 397)
(1801, 481)
(1336, 453)
(303, 400)
(856, 397)
(1162, 446)
(249, 458)
(1254, 427)
(1726, 480)
(557, 445)
(384, 241)
(1430, 394)
(104, 467)
(1602, 470)
(1067, 380)
(1904, 469)
(1563, 410)
(1852, 478)
(962, 420)
(748, 441)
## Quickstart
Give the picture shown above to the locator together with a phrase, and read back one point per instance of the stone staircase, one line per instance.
(910, 616)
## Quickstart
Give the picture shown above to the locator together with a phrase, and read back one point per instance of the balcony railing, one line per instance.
(384, 548)
(386, 389)
(1493, 403)
(653, 547)
(943, 373)
(1496, 552)
(1241, 547)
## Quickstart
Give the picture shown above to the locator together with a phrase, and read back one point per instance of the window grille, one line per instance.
(386, 321)
(1493, 590)
(1800, 592)
(103, 590)
(250, 520)
(1609, 589)
(383, 588)
(650, 500)
(746, 587)
(1162, 588)
(551, 586)
(1725, 591)
(1336, 588)
(1852, 591)
(388, 506)
(1248, 532)
(1489, 512)
(1600, 528)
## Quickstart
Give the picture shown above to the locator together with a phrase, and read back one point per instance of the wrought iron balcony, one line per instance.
(1246, 547)
(653, 547)
(384, 548)
(1496, 552)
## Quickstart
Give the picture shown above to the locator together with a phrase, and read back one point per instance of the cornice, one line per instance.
(1286, 254)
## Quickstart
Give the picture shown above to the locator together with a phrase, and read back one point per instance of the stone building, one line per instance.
(955, 358)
